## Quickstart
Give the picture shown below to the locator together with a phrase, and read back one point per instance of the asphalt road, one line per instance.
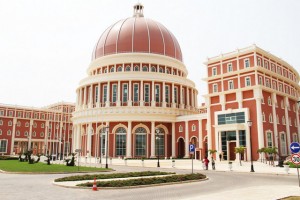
(221, 185)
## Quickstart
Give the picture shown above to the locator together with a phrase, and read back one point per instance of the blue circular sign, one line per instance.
(295, 147)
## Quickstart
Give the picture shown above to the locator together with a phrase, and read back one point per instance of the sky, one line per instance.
(46, 46)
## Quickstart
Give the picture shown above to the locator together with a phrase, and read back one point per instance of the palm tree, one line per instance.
(240, 150)
(212, 152)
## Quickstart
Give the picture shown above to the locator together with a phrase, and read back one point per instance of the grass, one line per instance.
(16, 166)
(146, 181)
(109, 176)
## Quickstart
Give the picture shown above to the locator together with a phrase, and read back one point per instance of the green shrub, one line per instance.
(146, 181)
(108, 176)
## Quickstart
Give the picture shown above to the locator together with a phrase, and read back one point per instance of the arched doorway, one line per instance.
(120, 142)
(180, 148)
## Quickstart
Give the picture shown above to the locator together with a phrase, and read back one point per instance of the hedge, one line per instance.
(146, 181)
(109, 176)
(8, 158)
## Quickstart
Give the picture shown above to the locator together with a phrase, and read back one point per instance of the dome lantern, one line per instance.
(138, 10)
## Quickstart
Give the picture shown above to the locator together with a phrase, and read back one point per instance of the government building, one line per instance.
(137, 102)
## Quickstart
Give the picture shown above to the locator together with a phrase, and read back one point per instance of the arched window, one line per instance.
(18, 133)
(283, 120)
(140, 141)
(1, 122)
(105, 70)
(27, 124)
(161, 70)
(270, 118)
(159, 142)
(145, 68)
(269, 139)
(0, 132)
(153, 69)
(10, 123)
(42, 134)
(26, 133)
(9, 132)
(127, 69)
(120, 141)
(34, 125)
(168, 71)
(34, 134)
(112, 69)
(136, 68)
(180, 128)
(263, 117)
(19, 123)
(193, 127)
(119, 68)
(269, 101)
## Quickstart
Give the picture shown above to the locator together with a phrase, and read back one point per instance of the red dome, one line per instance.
(137, 34)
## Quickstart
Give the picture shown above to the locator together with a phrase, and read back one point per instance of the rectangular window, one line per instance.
(269, 139)
(248, 81)
(230, 85)
(267, 82)
(258, 61)
(136, 92)
(10, 113)
(114, 92)
(146, 93)
(215, 87)
(96, 94)
(3, 146)
(246, 63)
(214, 71)
(1, 112)
(231, 118)
(157, 93)
(125, 93)
(19, 114)
(159, 145)
(283, 144)
(176, 94)
(167, 93)
(229, 67)
(104, 93)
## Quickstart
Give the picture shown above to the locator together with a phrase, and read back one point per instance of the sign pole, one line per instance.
(192, 164)
(296, 160)
(298, 175)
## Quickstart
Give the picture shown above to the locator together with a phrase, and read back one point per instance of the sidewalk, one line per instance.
(223, 166)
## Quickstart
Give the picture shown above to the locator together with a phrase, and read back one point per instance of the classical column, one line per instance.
(153, 95)
(119, 94)
(142, 93)
(80, 98)
(13, 136)
(181, 98)
(130, 94)
(128, 142)
(173, 140)
(173, 96)
(60, 136)
(287, 124)
(259, 124)
(188, 98)
(152, 139)
(108, 95)
(91, 96)
(84, 98)
(164, 103)
(30, 134)
(89, 140)
(107, 138)
(187, 141)
(98, 96)
(274, 102)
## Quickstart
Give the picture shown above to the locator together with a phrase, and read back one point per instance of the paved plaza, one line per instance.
(266, 182)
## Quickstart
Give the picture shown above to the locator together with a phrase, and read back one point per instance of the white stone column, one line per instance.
(153, 95)
(89, 140)
(274, 115)
(287, 124)
(108, 95)
(173, 96)
(80, 97)
(173, 140)
(78, 141)
(200, 140)
(91, 96)
(119, 94)
(98, 96)
(187, 141)
(259, 124)
(84, 98)
(164, 103)
(130, 94)
(13, 136)
(239, 98)
(107, 138)
(188, 97)
(142, 93)
(60, 136)
(152, 139)
(30, 134)
(128, 142)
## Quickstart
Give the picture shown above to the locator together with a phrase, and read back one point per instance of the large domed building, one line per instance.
(136, 88)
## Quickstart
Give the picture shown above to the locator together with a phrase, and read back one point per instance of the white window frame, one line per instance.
(114, 93)
(214, 71)
(193, 127)
(229, 67)
(180, 128)
(269, 101)
(283, 146)
(246, 63)
(104, 93)
(167, 93)
(147, 93)
(248, 81)
(6, 145)
(263, 117)
(136, 93)
(125, 92)
(230, 85)
(270, 118)
(10, 123)
(267, 139)
(157, 93)
(215, 87)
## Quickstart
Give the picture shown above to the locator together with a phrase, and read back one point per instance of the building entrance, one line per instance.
(232, 154)
(230, 140)
(180, 148)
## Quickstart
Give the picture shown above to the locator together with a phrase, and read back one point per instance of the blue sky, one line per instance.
(46, 46)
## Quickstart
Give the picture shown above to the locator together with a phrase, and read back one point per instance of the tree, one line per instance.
(272, 151)
(212, 152)
(240, 150)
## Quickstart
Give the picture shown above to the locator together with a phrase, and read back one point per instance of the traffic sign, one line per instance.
(295, 159)
(295, 147)
(192, 148)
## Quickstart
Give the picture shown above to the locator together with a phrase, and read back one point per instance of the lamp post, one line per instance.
(107, 128)
(249, 122)
(157, 139)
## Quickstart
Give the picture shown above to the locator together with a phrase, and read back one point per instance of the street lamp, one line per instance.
(157, 139)
(249, 122)
(107, 128)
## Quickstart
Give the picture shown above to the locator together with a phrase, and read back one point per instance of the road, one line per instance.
(221, 185)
